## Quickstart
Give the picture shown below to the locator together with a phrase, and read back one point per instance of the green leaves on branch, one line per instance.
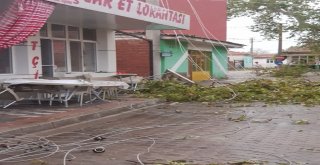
(291, 91)
(299, 17)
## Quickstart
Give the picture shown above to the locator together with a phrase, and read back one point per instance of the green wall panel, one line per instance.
(220, 54)
(169, 62)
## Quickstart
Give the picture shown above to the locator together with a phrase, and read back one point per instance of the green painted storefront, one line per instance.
(219, 59)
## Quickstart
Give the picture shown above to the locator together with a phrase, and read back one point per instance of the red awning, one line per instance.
(23, 18)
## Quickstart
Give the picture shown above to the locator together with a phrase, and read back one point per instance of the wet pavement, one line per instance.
(196, 133)
(28, 114)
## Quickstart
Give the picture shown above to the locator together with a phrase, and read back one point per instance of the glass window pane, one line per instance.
(59, 51)
(89, 34)
(74, 32)
(44, 31)
(76, 57)
(311, 60)
(89, 57)
(58, 31)
(201, 60)
(5, 61)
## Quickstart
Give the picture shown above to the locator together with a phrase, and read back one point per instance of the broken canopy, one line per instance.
(21, 19)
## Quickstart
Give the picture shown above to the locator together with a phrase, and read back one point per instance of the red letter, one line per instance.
(129, 5)
(107, 2)
(76, 2)
(121, 5)
(35, 61)
(34, 44)
(146, 10)
(139, 8)
(36, 75)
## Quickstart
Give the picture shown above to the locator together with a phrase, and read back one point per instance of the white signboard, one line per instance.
(133, 9)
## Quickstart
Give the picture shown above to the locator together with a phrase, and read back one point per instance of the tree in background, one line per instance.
(301, 18)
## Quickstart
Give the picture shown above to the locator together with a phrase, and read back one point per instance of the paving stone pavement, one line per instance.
(197, 133)
(30, 117)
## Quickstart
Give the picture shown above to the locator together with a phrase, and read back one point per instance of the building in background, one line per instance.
(265, 60)
(301, 56)
(244, 60)
(240, 60)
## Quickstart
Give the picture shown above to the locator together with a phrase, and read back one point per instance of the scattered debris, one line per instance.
(178, 111)
(99, 150)
(188, 137)
(249, 162)
(291, 71)
(4, 146)
(260, 120)
(284, 91)
(301, 122)
(238, 119)
(99, 138)
(178, 162)
(174, 103)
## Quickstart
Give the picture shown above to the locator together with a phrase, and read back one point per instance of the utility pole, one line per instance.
(251, 50)
(280, 40)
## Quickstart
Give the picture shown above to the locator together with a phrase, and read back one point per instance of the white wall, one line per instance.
(263, 62)
(232, 58)
(106, 51)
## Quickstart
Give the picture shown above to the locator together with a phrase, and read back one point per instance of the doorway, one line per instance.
(200, 65)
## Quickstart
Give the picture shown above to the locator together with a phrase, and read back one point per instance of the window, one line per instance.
(270, 61)
(5, 61)
(311, 60)
(303, 60)
(76, 56)
(59, 53)
(67, 44)
(44, 31)
(74, 32)
(58, 31)
(89, 34)
(89, 56)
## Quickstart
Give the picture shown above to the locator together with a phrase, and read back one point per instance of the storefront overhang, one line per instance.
(201, 40)
(117, 14)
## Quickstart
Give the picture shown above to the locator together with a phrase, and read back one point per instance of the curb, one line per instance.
(78, 119)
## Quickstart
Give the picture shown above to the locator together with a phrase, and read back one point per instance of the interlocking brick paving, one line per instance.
(197, 133)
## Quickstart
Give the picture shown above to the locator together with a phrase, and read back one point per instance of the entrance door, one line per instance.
(46, 53)
(200, 65)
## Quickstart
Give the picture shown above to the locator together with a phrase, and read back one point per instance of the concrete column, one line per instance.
(27, 57)
(154, 35)
(106, 51)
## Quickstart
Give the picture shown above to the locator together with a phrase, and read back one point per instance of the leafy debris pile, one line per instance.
(290, 71)
(293, 91)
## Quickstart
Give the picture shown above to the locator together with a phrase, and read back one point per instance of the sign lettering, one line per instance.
(133, 9)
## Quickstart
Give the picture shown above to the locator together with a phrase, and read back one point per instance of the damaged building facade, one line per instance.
(67, 38)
